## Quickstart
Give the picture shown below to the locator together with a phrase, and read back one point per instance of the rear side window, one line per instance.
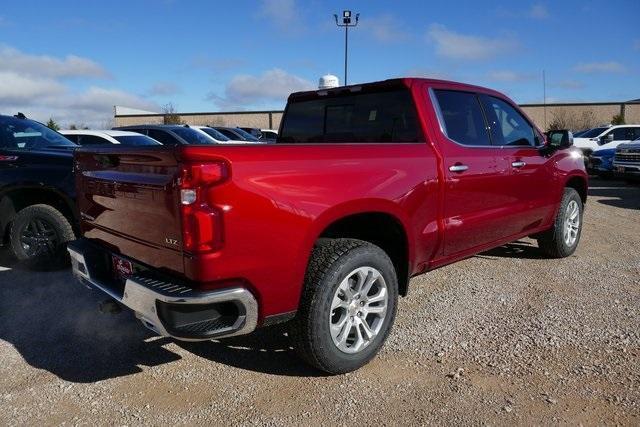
(135, 140)
(462, 117)
(368, 117)
(506, 124)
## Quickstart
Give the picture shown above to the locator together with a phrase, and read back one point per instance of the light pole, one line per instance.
(346, 23)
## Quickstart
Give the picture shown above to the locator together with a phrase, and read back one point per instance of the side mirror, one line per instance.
(608, 138)
(560, 139)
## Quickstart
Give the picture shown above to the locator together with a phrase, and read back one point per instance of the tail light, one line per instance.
(201, 222)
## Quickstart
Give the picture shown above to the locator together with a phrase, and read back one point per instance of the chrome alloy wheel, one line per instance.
(358, 309)
(571, 223)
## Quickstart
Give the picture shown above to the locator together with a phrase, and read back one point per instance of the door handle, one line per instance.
(458, 168)
(519, 164)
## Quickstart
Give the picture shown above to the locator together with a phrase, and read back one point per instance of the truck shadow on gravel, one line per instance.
(266, 351)
(520, 249)
(55, 325)
(617, 194)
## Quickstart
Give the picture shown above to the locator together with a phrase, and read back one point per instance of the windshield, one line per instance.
(246, 135)
(192, 136)
(136, 140)
(592, 133)
(215, 134)
(25, 134)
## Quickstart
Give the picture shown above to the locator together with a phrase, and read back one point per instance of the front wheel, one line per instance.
(562, 240)
(348, 305)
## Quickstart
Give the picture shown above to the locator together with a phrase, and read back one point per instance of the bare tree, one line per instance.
(566, 119)
(171, 117)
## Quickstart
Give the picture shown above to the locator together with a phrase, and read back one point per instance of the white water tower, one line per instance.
(328, 81)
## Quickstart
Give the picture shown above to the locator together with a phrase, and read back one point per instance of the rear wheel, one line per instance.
(562, 240)
(348, 305)
(39, 234)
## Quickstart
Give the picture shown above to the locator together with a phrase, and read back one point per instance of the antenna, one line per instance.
(544, 97)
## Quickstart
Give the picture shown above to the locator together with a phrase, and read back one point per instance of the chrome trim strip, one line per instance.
(142, 300)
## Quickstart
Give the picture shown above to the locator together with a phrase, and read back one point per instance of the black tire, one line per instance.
(552, 242)
(331, 262)
(50, 231)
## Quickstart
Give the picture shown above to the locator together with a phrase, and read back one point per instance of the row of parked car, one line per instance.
(611, 150)
(171, 135)
(37, 186)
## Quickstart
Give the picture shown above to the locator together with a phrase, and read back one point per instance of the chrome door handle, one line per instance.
(458, 168)
(518, 164)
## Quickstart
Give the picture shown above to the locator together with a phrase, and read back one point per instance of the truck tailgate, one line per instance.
(129, 201)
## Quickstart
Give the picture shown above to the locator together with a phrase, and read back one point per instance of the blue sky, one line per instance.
(74, 60)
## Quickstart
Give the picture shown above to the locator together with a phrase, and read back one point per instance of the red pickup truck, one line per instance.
(367, 186)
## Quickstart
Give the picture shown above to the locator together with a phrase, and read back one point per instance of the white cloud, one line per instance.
(600, 67)
(46, 66)
(509, 76)
(40, 87)
(272, 86)
(539, 11)
(163, 89)
(384, 28)
(468, 47)
(284, 14)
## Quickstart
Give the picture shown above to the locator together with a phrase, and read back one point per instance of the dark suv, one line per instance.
(37, 192)
(170, 134)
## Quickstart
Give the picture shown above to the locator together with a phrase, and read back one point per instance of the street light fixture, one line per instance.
(346, 23)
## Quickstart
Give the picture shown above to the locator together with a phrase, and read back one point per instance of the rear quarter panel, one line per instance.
(280, 198)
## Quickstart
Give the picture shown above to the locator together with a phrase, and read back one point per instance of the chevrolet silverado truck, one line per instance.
(366, 186)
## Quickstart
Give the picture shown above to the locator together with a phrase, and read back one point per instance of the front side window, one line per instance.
(135, 140)
(462, 117)
(506, 124)
(93, 140)
(162, 137)
(383, 116)
(25, 134)
(214, 134)
(192, 136)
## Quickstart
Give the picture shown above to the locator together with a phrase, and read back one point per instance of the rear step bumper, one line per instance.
(167, 308)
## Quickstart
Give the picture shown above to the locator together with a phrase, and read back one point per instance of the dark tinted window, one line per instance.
(245, 135)
(368, 117)
(92, 140)
(163, 137)
(135, 140)
(25, 134)
(192, 136)
(506, 124)
(229, 134)
(621, 134)
(214, 134)
(462, 116)
(72, 138)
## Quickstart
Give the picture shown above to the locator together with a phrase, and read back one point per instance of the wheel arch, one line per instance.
(378, 223)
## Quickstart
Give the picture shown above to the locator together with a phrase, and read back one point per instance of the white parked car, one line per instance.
(104, 137)
(597, 137)
(216, 136)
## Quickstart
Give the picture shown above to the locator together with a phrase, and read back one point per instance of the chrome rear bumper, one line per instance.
(171, 309)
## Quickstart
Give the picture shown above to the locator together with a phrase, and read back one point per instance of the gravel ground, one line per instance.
(505, 337)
